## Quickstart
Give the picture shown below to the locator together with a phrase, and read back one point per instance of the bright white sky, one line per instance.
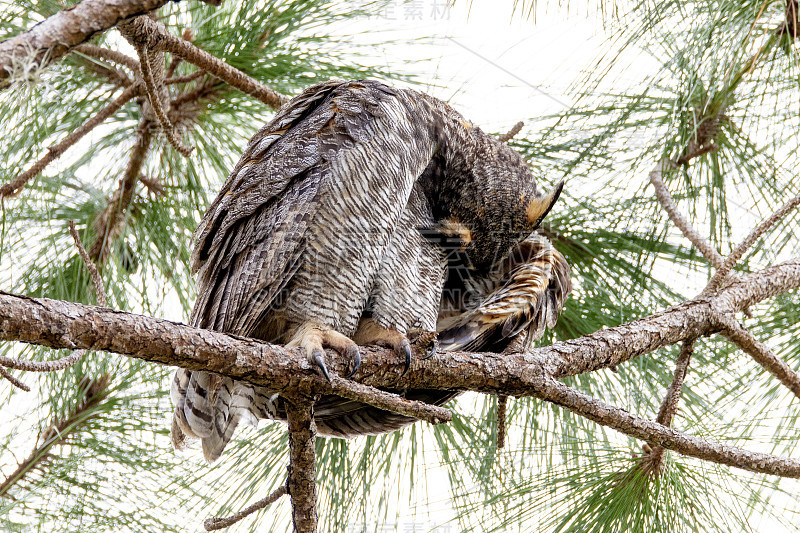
(497, 66)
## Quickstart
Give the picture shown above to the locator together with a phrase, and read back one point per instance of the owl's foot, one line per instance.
(369, 332)
(314, 338)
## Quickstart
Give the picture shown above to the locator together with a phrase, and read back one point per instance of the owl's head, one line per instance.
(506, 205)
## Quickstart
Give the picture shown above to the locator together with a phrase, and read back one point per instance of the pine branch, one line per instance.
(152, 87)
(99, 290)
(653, 460)
(668, 203)
(197, 74)
(61, 324)
(659, 435)
(5, 374)
(761, 354)
(109, 223)
(151, 70)
(74, 357)
(58, 432)
(502, 406)
(213, 524)
(159, 38)
(14, 187)
(730, 261)
(106, 54)
(389, 401)
(301, 483)
(504, 138)
(52, 38)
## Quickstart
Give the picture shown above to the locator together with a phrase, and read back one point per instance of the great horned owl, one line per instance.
(290, 249)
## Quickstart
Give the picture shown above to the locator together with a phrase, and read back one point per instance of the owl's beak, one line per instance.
(539, 207)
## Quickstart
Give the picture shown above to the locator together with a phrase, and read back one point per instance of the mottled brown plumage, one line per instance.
(321, 210)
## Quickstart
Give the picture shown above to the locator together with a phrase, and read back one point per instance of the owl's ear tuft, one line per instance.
(539, 206)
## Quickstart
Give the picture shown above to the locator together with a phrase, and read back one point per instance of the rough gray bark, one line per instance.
(53, 37)
(301, 483)
(59, 324)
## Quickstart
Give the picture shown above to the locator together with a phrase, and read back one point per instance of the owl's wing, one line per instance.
(531, 287)
(250, 241)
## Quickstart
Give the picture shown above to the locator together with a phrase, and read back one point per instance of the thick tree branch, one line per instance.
(301, 483)
(53, 37)
(61, 324)
(659, 435)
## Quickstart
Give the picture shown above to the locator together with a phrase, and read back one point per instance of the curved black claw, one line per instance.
(318, 357)
(433, 350)
(405, 349)
(355, 355)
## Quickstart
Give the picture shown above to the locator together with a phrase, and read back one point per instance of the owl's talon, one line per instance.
(433, 351)
(354, 354)
(404, 349)
(318, 358)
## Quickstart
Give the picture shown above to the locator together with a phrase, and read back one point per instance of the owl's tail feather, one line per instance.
(209, 407)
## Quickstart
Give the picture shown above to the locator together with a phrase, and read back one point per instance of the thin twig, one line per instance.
(504, 138)
(14, 381)
(389, 401)
(153, 185)
(155, 102)
(74, 357)
(653, 460)
(668, 203)
(99, 290)
(744, 339)
(113, 75)
(212, 524)
(14, 187)
(98, 52)
(42, 366)
(301, 483)
(185, 79)
(722, 272)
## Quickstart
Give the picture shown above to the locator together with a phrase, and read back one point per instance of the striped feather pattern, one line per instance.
(318, 222)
